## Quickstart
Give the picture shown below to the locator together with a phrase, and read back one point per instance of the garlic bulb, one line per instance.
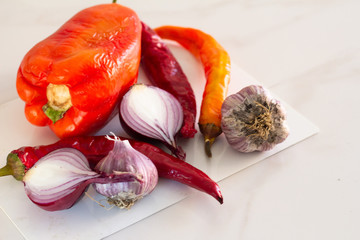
(124, 159)
(253, 121)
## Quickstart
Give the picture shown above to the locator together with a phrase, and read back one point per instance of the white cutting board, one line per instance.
(88, 220)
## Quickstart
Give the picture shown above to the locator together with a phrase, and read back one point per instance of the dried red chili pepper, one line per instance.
(72, 80)
(164, 71)
(97, 147)
(216, 62)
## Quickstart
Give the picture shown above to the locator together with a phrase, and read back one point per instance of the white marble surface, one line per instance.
(308, 53)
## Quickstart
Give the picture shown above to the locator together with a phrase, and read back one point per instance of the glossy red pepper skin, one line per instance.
(96, 55)
(164, 71)
(69, 200)
(97, 147)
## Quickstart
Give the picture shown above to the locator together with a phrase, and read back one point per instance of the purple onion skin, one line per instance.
(69, 200)
(178, 152)
(136, 135)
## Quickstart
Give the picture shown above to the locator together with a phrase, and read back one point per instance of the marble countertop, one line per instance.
(306, 52)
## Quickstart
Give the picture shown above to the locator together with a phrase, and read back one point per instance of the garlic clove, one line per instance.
(253, 121)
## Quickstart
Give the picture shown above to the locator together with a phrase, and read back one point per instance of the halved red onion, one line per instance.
(153, 113)
(58, 179)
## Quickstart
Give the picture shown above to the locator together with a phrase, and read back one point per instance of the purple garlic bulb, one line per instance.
(253, 121)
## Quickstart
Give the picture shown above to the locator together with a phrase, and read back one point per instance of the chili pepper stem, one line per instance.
(13, 167)
(210, 132)
(208, 143)
(6, 170)
(114, 1)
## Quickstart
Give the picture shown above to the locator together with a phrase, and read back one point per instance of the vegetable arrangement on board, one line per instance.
(96, 148)
(78, 78)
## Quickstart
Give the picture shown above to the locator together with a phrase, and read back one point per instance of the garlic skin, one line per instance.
(253, 121)
(124, 159)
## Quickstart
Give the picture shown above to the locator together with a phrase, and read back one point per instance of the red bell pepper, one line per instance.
(73, 79)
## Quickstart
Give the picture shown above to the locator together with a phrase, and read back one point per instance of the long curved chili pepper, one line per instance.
(216, 62)
(97, 147)
(164, 71)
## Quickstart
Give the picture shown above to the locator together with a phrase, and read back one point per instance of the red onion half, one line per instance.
(57, 180)
(154, 113)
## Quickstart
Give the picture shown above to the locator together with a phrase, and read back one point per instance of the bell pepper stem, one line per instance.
(59, 101)
(53, 114)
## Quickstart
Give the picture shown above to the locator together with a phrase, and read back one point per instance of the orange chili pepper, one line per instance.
(216, 62)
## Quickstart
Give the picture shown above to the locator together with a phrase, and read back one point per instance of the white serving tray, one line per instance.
(88, 220)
